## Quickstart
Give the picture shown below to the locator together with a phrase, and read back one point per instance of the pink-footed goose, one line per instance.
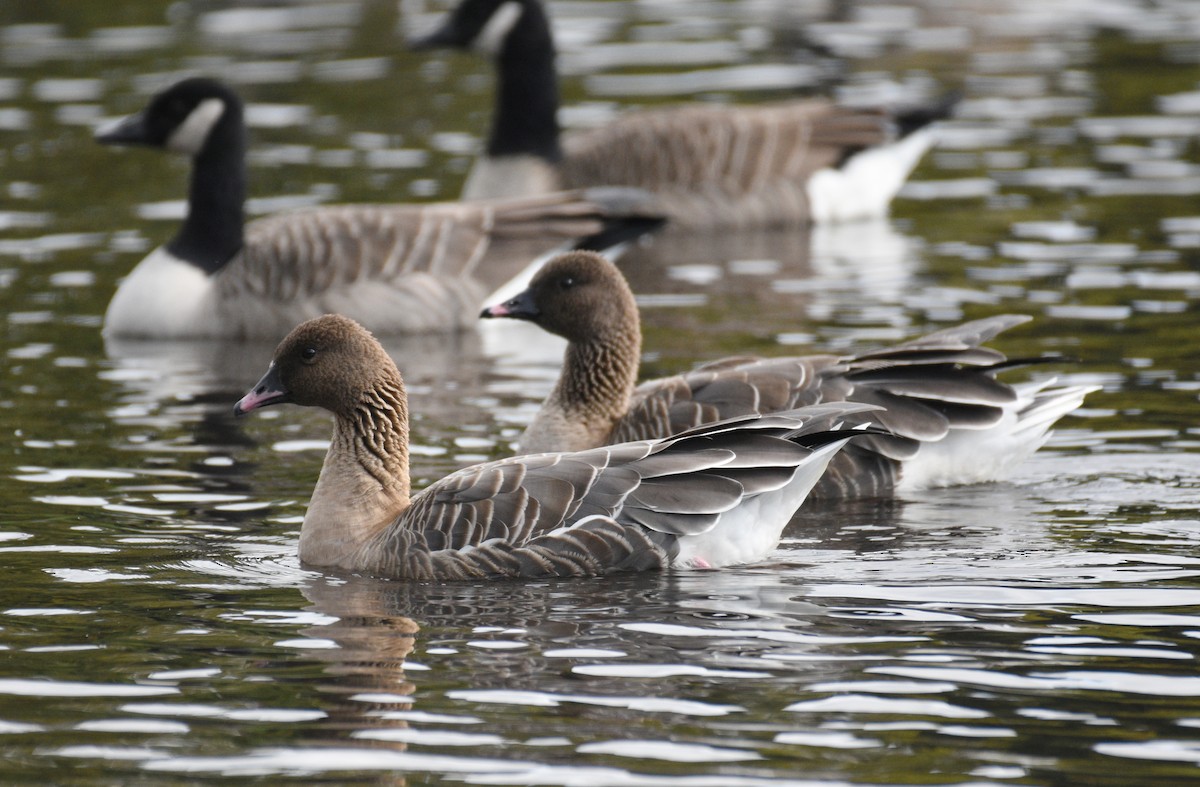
(784, 163)
(402, 268)
(713, 496)
(952, 421)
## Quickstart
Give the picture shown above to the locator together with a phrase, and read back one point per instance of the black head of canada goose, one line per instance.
(713, 496)
(400, 268)
(772, 164)
(951, 420)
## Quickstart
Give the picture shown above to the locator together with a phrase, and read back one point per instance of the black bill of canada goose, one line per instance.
(781, 163)
(951, 421)
(400, 268)
(713, 496)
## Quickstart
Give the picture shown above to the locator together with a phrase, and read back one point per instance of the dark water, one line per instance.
(158, 628)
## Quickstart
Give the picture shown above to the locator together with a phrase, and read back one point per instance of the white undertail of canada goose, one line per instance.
(782, 163)
(402, 268)
(713, 496)
(952, 421)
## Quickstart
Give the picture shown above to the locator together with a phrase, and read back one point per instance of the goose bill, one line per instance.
(269, 390)
(129, 130)
(521, 307)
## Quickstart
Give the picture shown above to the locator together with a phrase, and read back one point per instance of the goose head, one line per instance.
(180, 119)
(330, 362)
(579, 296)
(489, 26)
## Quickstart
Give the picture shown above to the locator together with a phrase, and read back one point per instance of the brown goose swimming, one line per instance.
(952, 421)
(784, 163)
(403, 268)
(713, 496)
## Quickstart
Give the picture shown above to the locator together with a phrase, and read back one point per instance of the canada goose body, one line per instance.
(399, 268)
(713, 496)
(951, 420)
(776, 164)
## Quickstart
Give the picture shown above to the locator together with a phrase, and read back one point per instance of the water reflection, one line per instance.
(165, 451)
(152, 374)
(761, 657)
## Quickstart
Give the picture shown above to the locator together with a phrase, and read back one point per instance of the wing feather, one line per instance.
(624, 505)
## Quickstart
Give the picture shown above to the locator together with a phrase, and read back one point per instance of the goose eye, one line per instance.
(308, 353)
(566, 282)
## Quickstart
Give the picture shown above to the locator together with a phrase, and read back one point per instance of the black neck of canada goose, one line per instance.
(212, 233)
(517, 34)
(526, 117)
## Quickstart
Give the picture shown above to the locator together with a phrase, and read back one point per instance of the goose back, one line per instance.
(712, 165)
(632, 506)
(403, 268)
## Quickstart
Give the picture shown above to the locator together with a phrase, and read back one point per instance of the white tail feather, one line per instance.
(863, 187)
(971, 456)
(751, 530)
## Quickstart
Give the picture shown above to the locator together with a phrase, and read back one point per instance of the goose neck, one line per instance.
(526, 116)
(598, 377)
(364, 482)
(212, 233)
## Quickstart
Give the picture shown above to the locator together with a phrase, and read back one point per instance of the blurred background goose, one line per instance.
(404, 268)
(714, 496)
(952, 421)
(747, 166)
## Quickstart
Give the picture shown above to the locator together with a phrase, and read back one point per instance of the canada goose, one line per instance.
(713, 496)
(781, 163)
(952, 421)
(399, 268)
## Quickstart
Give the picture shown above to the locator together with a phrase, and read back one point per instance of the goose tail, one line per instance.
(864, 185)
(750, 531)
(968, 456)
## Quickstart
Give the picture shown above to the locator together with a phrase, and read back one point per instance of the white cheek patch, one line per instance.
(193, 132)
(491, 37)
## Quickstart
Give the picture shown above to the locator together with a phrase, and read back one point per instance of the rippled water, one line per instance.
(158, 627)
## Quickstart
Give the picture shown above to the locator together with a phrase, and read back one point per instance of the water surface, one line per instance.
(159, 628)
